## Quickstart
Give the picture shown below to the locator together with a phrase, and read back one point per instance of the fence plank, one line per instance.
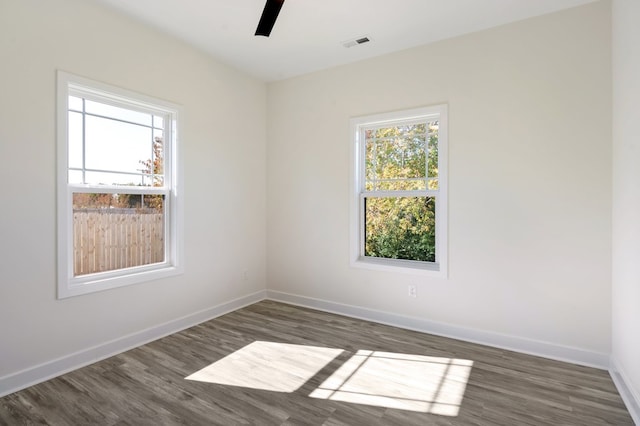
(105, 240)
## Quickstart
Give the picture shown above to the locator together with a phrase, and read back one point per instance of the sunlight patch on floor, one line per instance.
(393, 380)
(401, 381)
(278, 367)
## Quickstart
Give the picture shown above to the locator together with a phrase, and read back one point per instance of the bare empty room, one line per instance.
(340, 213)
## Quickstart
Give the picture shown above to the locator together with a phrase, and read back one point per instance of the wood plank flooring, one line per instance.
(276, 364)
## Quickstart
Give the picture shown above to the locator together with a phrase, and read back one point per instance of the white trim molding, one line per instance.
(497, 340)
(48, 370)
(630, 396)
(113, 274)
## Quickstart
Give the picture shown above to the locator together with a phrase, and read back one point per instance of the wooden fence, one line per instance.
(110, 239)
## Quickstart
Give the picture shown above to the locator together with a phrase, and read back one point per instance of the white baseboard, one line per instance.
(630, 396)
(512, 343)
(48, 370)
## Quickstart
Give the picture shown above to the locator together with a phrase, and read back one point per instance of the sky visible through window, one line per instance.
(116, 143)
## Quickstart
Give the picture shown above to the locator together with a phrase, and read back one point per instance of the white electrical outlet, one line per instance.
(413, 291)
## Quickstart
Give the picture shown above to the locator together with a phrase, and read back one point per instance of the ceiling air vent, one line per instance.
(356, 41)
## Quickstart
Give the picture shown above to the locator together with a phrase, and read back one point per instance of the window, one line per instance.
(399, 201)
(118, 193)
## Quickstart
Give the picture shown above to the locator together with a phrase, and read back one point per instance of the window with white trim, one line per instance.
(119, 205)
(399, 191)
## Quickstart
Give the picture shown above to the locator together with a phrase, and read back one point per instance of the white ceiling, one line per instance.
(309, 35)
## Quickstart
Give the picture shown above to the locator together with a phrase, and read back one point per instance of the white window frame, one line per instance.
(357, 257)
(68, 284)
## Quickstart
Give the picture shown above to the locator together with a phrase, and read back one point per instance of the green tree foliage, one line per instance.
(401, 158)
(401, 228)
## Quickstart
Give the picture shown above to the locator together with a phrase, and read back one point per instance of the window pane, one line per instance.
(106, 178)
(116, 146)
(75, 103)
(402, 185)
(396, 157)
(370, 158)
(158, 122)
(116, 231)
(156, 168)
(75, 176)
(400, 228)
(116, 112)
(75, 140)
(432, 165)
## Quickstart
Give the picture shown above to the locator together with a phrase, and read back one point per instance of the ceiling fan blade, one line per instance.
(269, 16)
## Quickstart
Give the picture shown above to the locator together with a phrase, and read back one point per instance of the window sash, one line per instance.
(378, 193)
(400, 194)
(364, 141)
(114, 100)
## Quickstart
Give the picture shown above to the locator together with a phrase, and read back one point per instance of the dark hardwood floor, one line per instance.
(276, 364)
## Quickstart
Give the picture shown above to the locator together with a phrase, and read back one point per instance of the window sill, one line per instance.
(430, 269)
(104, 281)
